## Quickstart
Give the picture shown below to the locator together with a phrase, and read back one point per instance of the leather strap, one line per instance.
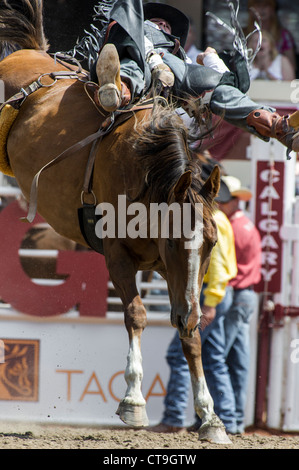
(62, 156)
(87, 186)
(176, 46)
(112, 23)
(17, 99)
(64, 74)
(109, 126)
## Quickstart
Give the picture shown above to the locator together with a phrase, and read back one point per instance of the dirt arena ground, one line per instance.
(34, 436)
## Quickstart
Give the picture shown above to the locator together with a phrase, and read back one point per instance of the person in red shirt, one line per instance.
(237, 319)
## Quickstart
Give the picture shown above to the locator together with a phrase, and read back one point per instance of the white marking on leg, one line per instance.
(203, 402)
(134, 374)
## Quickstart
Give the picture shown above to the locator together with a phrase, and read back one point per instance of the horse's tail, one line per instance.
(21, 25)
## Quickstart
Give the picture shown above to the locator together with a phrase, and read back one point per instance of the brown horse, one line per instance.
(145, 159)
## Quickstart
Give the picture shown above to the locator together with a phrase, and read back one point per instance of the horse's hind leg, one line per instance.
(131, 409)
(212, 428)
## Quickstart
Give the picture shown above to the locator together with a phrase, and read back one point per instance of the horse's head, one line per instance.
(187, 231)
(187, 248)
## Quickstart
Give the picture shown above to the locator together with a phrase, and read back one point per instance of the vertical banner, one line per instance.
(269, 219)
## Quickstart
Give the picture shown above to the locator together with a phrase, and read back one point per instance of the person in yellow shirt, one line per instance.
(222, 268)
(216, 299)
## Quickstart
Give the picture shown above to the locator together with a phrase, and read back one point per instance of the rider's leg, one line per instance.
(229, 102)
(116, 69)
(239, 110)
(225, 100)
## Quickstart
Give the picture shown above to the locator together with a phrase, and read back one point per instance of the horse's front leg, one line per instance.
(212, 428)
(131, 409)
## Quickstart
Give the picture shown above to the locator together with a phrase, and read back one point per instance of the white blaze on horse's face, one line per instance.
(182, 258)
(192, 287)
(194, 258)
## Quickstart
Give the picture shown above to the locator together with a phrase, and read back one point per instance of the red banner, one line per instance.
(269, 219)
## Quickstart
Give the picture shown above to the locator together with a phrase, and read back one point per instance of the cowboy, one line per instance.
(146, 42)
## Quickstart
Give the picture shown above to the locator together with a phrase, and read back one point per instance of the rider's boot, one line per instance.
(113, 92)
(283, 128)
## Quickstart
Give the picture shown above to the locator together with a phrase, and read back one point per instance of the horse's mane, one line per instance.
(161, 144)
(21, 25)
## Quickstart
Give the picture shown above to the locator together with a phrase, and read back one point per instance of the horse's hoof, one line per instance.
(213, 434)
(133, 415)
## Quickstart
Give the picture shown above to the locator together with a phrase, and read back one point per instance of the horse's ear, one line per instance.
(181, 187)
(211, 187)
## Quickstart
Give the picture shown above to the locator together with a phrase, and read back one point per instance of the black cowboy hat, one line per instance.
(224, 194)
(178, 20)
(230, 188)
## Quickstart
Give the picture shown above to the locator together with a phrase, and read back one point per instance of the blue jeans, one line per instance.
(237, 352)
(176, 399)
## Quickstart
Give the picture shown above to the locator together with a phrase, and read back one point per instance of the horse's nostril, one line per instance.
(182, 322)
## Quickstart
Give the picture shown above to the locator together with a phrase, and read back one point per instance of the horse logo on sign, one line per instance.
(19, 372)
